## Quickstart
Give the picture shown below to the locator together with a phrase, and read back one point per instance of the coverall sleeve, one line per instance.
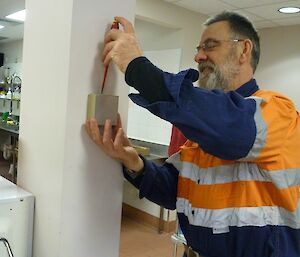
(156, 183)
(221, 123)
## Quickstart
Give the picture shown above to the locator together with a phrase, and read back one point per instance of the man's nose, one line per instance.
(200, 56)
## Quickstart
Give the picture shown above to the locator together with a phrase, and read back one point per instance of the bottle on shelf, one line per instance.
(9, 94)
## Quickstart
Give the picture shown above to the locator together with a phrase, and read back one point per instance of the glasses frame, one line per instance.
(204, 46)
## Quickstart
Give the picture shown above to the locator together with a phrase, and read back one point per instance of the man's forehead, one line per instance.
(218, 30)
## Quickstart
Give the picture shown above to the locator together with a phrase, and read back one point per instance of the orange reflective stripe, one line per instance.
(196, 155)
(237, 194)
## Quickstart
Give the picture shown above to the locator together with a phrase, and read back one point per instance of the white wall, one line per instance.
(280, 61)
(78, 189)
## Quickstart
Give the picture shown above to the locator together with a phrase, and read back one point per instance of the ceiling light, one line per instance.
(289, 10)
(18, 16)
(1, 27)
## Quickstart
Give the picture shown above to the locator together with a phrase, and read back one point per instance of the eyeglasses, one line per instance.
(211, 44)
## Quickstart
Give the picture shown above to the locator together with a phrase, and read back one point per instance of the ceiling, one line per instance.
(12, 30)
(263, 13)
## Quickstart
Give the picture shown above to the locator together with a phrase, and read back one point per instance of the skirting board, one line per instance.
(147, 219)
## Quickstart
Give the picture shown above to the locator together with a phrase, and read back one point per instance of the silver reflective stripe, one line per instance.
(174, 158)
(285, 178)
(261, 131)
(239, 171)
(239, 217)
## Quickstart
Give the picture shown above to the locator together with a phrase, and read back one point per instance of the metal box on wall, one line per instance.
(103, 107)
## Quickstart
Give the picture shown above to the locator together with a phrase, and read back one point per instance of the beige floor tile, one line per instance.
(138, 240)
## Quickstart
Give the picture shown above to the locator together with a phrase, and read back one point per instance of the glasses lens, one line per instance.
(210, 45)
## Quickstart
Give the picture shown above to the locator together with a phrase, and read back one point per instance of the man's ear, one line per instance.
(245, 55)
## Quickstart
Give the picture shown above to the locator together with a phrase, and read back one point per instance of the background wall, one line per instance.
(187, 24)
(13, 52)
(279, 67)
(158, 36)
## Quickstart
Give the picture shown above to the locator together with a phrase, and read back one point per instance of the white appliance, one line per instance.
(16, 220)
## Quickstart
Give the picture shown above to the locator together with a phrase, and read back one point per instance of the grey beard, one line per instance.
(214, 81)
(221, 77)
(217, 79)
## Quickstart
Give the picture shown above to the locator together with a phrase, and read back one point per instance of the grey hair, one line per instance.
(240, 26)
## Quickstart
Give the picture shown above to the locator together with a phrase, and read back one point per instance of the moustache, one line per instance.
(206, 64)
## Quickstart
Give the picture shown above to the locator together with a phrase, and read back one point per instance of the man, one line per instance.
(235, 183)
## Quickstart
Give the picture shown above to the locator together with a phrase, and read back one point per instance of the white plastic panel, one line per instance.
(16, 219)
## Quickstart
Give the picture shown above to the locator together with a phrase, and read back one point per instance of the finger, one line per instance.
(107, 48)
(119, 121)
(108, 58)
(126, 141)
(118, 125)
(112, 35)
(95, 132)
(127, 25)
(87, 126)
(118, 143)
(107, 136)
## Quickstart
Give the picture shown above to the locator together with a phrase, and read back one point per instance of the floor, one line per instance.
(138, 240)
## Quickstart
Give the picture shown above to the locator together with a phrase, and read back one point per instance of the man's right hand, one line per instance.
(121, 46)
(118, 146)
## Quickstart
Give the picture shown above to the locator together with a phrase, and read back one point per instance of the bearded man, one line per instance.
(235, 183)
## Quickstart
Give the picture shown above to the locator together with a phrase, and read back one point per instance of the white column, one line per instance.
(78, 189)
